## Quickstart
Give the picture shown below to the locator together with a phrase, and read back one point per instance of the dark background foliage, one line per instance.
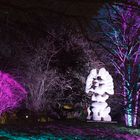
(38, 45)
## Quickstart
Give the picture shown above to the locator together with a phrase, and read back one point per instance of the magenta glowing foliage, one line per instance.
(11, 93)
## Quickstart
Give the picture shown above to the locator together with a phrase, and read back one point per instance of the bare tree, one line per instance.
(41, 80)
(119, 30)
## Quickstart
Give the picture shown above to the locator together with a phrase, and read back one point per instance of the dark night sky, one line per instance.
(67, 7)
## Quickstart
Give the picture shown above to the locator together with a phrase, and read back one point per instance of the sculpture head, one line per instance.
(100, 82)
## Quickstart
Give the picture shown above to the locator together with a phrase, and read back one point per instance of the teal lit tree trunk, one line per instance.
(131, 107)
(128, 96)
(131, 95)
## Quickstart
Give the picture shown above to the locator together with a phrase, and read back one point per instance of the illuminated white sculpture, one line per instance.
(100, 85)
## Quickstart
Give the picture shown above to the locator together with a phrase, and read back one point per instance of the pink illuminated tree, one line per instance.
(120, 37)
(11, 93)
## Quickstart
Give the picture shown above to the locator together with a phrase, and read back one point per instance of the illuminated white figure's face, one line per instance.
(100, 84)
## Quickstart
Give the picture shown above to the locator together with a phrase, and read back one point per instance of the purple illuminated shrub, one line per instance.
(11, 93)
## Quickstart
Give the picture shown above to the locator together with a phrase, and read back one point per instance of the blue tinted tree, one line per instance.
(119, 34)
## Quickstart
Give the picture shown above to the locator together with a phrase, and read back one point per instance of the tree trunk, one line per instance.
(135, 111)
(128, 95)
(130, 105)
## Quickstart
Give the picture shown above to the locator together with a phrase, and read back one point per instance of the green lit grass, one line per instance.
(69, 131)
(5, 135)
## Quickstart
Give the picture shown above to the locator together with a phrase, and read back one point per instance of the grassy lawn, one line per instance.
(68, 130)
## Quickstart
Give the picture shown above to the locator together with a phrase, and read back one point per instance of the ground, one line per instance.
(68, 130)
